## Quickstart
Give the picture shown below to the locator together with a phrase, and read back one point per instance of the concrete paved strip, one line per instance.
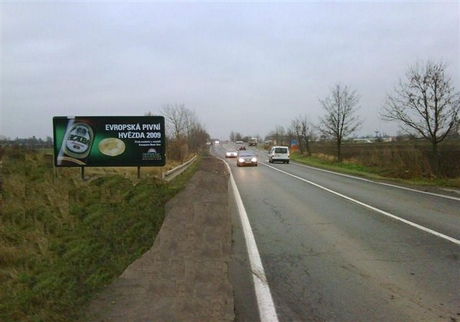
(184, 276)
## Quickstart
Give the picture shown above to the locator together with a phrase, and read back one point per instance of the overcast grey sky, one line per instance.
(246, 67)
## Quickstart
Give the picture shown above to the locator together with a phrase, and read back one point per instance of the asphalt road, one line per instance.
(338, 248)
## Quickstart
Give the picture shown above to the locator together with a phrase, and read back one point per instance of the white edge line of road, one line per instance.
(380, 183)
(428, 230)
(265, 302)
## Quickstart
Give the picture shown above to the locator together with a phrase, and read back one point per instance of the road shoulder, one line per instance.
(184, 276)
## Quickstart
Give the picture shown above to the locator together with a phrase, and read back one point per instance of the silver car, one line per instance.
(246, 157)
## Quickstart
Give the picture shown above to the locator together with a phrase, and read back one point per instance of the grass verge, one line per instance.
(376, 173)
(63, 238)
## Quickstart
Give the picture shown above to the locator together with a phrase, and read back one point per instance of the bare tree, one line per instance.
(425, 105)
(302, 130)
(197, 137)
(340, 120)
(278, 135)
(184, 131)
(175, 118)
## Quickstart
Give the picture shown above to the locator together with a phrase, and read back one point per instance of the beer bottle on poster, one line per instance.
(77, 143)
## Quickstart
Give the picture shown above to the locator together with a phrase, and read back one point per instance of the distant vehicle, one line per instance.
(279, 153)
(245, 158)
(208, 143)
(239, 142)
(241, 148)
(252, 142)
(231, 153)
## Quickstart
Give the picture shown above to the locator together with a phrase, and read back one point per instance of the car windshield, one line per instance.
(280, 150)
(246, 153)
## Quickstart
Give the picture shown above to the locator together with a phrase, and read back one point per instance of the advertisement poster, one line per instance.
(100, 141)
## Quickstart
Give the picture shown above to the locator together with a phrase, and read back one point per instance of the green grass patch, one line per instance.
(353, 167)
(328, 163)
(62, 238)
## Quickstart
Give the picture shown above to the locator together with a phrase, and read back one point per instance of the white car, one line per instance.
(231, 153)
(279, 153)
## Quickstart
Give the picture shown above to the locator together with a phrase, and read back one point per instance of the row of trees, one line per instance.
(424, 104)
(30, 143)
(184, 132)
(237, 136)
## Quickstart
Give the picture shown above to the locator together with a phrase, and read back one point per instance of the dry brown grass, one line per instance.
(407, 160)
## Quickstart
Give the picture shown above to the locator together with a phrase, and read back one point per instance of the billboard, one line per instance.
(101, 141)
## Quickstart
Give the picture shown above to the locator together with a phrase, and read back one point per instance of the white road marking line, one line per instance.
(428, 230)
(264, 298)
(380, 183)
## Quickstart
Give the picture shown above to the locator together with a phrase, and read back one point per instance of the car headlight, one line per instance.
(240, 160)
(254, 159)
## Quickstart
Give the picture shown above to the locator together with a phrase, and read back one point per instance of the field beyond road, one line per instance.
(405, 161)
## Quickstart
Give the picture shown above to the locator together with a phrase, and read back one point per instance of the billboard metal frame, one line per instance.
(106, 141)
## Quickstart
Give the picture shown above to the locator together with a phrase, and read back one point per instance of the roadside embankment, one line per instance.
(184, 276)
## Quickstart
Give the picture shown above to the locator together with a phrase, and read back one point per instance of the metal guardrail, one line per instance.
(170, 174)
